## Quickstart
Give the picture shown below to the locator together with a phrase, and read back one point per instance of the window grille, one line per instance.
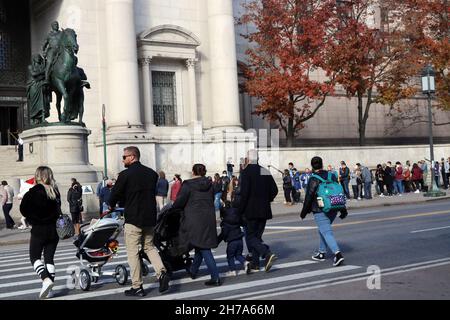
(164, 98)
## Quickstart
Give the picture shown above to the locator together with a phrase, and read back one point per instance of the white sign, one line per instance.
(87, 190)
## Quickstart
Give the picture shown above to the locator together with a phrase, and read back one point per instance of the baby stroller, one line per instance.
(96, 245)
(166, 238)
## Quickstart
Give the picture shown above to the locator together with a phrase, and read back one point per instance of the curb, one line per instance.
(365, 206)
(26, 241)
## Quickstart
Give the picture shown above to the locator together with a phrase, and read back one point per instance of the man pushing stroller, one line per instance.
(136, 186)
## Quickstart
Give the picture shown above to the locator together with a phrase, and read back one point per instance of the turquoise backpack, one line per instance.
(332, 194)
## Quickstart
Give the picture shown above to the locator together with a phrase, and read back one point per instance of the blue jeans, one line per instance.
(234, 251)
(398, 186)
(344, 184)
(368, 190)
(206, 254)
(217, 197)
(324, 221)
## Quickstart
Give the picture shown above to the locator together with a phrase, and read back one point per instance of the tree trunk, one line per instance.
(290, 133)
(361, 122)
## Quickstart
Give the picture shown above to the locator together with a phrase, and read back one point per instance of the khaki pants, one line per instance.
(134, 237)
(161, 202)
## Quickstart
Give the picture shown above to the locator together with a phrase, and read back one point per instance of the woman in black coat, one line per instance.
(40, 206)
(74, 197)
(198, 223)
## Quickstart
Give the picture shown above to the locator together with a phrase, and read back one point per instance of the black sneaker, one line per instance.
(163, 282)
(319, 256)
(190, 274)
(139, 292)
(270, 258)
(213, 282)
(338, 259)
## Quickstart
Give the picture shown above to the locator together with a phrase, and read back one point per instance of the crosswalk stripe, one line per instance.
(23, 252)
(64, 277)
(255, 283)
(59, 272)
(104, 280)
(175, 282)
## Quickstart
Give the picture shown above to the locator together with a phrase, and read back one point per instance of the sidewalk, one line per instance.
(12, 237)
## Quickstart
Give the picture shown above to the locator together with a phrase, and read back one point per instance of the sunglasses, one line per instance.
(124, 157)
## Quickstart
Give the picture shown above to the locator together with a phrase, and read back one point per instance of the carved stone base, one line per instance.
(63, 148)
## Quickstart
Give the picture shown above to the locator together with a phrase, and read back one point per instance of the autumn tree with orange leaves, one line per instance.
(427, 28)
(373, 64)
(287, 50)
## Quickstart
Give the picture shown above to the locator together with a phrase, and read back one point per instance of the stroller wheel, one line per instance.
(145, 270)
(121, 275)
(85, 280)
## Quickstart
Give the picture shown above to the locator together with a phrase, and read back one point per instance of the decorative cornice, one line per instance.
(145, 61)
(190, 63)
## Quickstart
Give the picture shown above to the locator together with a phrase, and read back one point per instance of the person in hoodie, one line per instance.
(41, 207)
(198, 223)
(232, 234)
(323, 220)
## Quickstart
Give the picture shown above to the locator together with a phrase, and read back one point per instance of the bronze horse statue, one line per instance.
(67, 80)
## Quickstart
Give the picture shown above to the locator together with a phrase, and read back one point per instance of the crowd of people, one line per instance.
(243, 201)
(385, 179)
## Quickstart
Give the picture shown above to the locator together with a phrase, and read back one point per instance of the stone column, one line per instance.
(121, 50)
(190, 63)
(223, 64)
(147, 90)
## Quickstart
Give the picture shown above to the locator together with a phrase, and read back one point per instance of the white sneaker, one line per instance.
(417, 191)
(232, 273)
(381, 195)
(47, 286)
(22, 227)
(399, 194)
(50, 294)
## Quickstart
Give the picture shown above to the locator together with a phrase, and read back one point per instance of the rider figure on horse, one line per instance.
(50, 48)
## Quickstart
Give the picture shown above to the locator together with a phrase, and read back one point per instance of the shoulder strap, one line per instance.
(318, 177)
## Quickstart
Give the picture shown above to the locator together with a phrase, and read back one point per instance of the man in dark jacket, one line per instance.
(323, 220)
(258, 190)
(136, 189)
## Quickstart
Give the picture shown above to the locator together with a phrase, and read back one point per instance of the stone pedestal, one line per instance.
(63, 148)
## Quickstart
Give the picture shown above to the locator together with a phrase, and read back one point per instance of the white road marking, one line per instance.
(256, 283)
(289, 228)
(311, 285)
(432, 229)
(174, 282)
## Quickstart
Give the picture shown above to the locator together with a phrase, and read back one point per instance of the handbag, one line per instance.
(64, 226)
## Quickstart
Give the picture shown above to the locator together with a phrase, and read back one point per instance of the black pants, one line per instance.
(381, 186)
(255, 229)
(287, 195)
(419, 184)
(20, 150)
(44, 239)
(9, 221)
(444, 178)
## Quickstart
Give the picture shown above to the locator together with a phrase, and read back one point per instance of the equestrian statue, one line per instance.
(56, 71)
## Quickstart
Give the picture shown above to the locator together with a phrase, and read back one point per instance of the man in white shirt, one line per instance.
(7, 196)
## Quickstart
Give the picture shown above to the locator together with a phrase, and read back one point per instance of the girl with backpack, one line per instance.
(323, 220)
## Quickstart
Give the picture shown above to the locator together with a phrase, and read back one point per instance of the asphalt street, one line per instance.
(397, 252)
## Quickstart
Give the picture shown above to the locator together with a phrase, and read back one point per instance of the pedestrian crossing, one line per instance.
(19, 281)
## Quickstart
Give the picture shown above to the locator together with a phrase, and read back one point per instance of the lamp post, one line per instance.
(105, 163)
(428, 88)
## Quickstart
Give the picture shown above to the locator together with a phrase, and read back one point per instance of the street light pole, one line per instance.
(428, 88)
(105, 163)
